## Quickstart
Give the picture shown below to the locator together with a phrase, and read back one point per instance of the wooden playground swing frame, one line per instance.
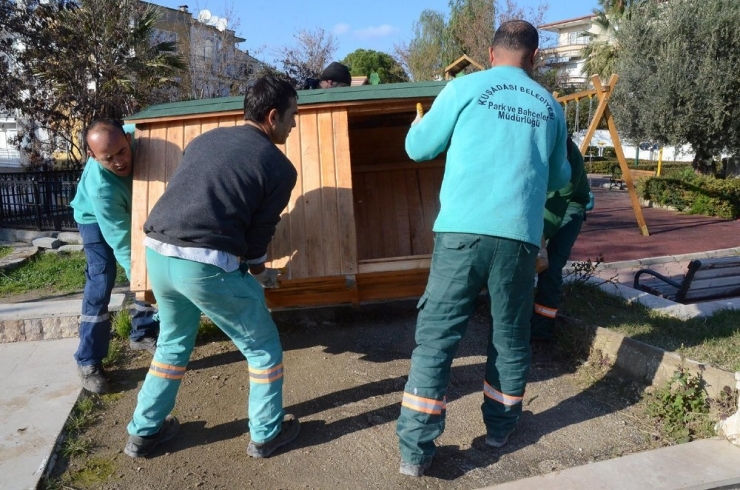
(603, 92)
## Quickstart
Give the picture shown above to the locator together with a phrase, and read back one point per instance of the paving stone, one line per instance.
(70, 237)
(47, 242)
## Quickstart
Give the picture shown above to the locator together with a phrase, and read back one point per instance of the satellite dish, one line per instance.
(221, 24)
(204, 16)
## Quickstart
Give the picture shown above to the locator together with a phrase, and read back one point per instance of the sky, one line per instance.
(376, 24)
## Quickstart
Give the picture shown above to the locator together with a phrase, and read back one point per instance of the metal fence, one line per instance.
(38, 200)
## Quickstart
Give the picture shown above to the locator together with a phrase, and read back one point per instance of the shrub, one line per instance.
(694, 194)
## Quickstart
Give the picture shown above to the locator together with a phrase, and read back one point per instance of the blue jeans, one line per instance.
(462, 265)
(235, 302)
(100, 277)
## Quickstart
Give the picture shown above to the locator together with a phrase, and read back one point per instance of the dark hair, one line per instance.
(267, 93)
(517, 35)
(103, 122)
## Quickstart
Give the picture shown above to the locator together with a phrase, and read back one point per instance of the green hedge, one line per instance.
(606, 166)
(694, 194)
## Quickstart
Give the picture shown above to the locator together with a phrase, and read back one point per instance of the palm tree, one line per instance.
(602, 52)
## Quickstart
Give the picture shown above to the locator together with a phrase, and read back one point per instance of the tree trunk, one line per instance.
(704, 164)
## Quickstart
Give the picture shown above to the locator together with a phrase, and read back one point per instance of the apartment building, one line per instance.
(572, 35)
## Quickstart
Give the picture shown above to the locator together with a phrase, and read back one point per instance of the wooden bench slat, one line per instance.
(716, 292)
(721, 263)
(714, 282)
(721, 272)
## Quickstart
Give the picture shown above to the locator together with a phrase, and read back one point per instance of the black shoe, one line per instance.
(93, 378)
(410, 469)
(137, 447)
(497, 442)
(288, 432)
(144, 343)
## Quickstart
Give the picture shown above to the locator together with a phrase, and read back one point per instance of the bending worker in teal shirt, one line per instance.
(506, 137)
(565, 211)
(102, 210)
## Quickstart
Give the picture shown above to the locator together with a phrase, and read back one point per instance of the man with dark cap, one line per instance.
(335, 75)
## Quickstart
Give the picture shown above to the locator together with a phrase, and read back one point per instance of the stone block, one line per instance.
(70, 238)
(70, 248)
(34, 329)
(12, 331)
(47, 242)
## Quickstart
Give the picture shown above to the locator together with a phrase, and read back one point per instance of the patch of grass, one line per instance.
(116, 352)
(92, 474)
(5, 251)
(121, 323)
(207, 330)
(61, 273)
(714, 340)
(76, 446)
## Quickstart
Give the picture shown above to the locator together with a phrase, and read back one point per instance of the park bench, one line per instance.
(617, 181)
(705, 279)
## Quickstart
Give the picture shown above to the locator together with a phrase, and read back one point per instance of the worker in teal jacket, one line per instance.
(505, 140)
(102, 210)
(565, 211)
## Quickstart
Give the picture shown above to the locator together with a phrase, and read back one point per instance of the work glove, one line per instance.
(419, 115)
(268, 278)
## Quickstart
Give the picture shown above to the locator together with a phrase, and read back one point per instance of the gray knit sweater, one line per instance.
(227, 194)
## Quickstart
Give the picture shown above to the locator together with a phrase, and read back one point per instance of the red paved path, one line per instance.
(611, 229)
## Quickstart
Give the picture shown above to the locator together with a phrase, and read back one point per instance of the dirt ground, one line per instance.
(345, 373)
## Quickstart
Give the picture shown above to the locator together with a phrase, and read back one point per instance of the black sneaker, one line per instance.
(417, 470)
(137, 447)
(144, 343)
(93, 378)
(288, 432)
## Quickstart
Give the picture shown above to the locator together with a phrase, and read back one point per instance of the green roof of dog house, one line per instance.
(305, 97)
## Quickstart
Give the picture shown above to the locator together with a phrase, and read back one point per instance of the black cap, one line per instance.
(336, 72)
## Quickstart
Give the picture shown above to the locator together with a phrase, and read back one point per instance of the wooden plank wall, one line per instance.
(316, 236)
(396, 200)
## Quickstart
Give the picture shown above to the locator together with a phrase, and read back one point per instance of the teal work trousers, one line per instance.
(549, 294)
(462, 264)
(235, 302)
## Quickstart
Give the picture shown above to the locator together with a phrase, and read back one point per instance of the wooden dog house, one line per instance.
(358, 227)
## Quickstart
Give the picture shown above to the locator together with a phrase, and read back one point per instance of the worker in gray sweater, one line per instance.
(206, 247)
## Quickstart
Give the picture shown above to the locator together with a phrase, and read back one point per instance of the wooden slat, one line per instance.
(312, 193)
(717, 272)
(192, 129)
(139, 210)
(157, 162)
(429, 186)
(361, 216)
(395, 264)
(208, 124)
(175, 136)
(345, 208)
(714, 282)
(227, 121)
(372, 234)
(714, 292)
(417, 226)
(386, 206)
(330, 238)
(297, 267)
(720, 263)
(391, 167)
(401, 208)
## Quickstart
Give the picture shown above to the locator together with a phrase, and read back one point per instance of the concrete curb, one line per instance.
(653, 365)
(45, 320)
